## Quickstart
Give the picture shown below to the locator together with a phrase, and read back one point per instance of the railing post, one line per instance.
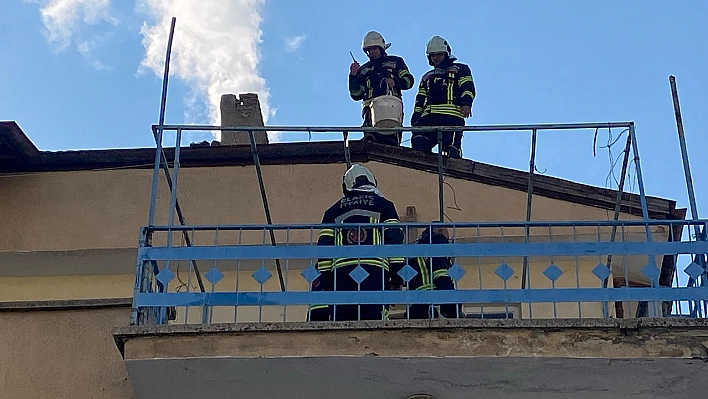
(618, 207)
(529, 197)
(175, 180)
(640, 179)
(654, 308)
(266, 207)
(347, 155)
(525, 274)
(140, 284)
(440, 178)
(155, 175)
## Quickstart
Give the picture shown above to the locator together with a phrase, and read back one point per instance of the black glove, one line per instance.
(396, 282)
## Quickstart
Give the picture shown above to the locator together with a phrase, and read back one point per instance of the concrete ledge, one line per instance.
(586, 338)
(444, 378)
(619, 324)
(67, 304)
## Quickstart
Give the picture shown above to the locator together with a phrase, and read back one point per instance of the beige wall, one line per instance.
(48, 288)
(75, 211)
(105, 209)
(62, 354)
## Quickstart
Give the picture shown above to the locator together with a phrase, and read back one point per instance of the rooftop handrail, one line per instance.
(339, 129)
(510, 224)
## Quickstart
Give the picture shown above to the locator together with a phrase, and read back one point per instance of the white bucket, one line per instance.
(386, 111)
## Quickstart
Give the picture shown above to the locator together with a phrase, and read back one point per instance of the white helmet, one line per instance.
(374, 38)
(438, 45)
(357, 176)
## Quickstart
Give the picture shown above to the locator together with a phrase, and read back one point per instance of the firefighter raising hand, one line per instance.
(353, 68)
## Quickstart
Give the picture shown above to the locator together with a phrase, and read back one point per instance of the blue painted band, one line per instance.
(413, 297)
(425, 250)
(457, 225)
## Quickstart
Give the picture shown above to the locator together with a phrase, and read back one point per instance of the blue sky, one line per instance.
(82, 74)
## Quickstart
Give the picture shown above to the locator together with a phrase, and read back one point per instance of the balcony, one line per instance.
(222, 310)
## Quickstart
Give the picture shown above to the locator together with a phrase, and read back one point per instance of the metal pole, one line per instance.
(618, 203)
(687, 173)
(529, 196)
(173, 190)
(654, 307)
(159, 153)
(266, 208)
(180, 217)
(684, 151)
(347, 155)
(161, 157)
(440, 178)
(640, 180)
(163, 101)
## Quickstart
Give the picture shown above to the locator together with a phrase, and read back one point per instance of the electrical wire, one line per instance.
(182, 287)
(611, 176)
(454, 194)
(80, 170)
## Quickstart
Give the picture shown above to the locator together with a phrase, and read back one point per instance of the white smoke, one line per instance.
(63, 18)
(292, 44)
(215, 47)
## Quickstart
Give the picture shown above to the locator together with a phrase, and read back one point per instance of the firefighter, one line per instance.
(361, 204)
(382, 74)
(444, 98)
(432, 278)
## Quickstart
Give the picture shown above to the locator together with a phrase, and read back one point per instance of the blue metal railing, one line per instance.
(537, 269)
(566, 262)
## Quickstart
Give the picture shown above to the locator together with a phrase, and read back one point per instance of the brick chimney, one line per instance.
(242, 111)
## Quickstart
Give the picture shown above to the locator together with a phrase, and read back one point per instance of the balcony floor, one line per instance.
(630, 358)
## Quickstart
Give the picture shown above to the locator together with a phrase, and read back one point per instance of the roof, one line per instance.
(15, 147)
(18, 154)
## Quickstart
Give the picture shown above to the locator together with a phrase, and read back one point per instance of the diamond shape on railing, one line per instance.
(651, 272)
(213, 275)
(694, 270)
(455, 272)
(310, 273)
(552, 272)
(504, 271)
(407, 273)
(359, 274)
(601, 271)
(261, 275)
(165, 276)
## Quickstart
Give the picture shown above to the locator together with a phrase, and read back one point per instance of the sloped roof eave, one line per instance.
(26, 158)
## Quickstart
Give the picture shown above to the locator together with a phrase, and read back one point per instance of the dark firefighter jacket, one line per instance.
(361, 208)
(369, 82)
(444, 90)
(427, 277)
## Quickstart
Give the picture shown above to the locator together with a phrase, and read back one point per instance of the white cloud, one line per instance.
(292, 44)
(63, 18)
(215, 48)
(86, 48)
